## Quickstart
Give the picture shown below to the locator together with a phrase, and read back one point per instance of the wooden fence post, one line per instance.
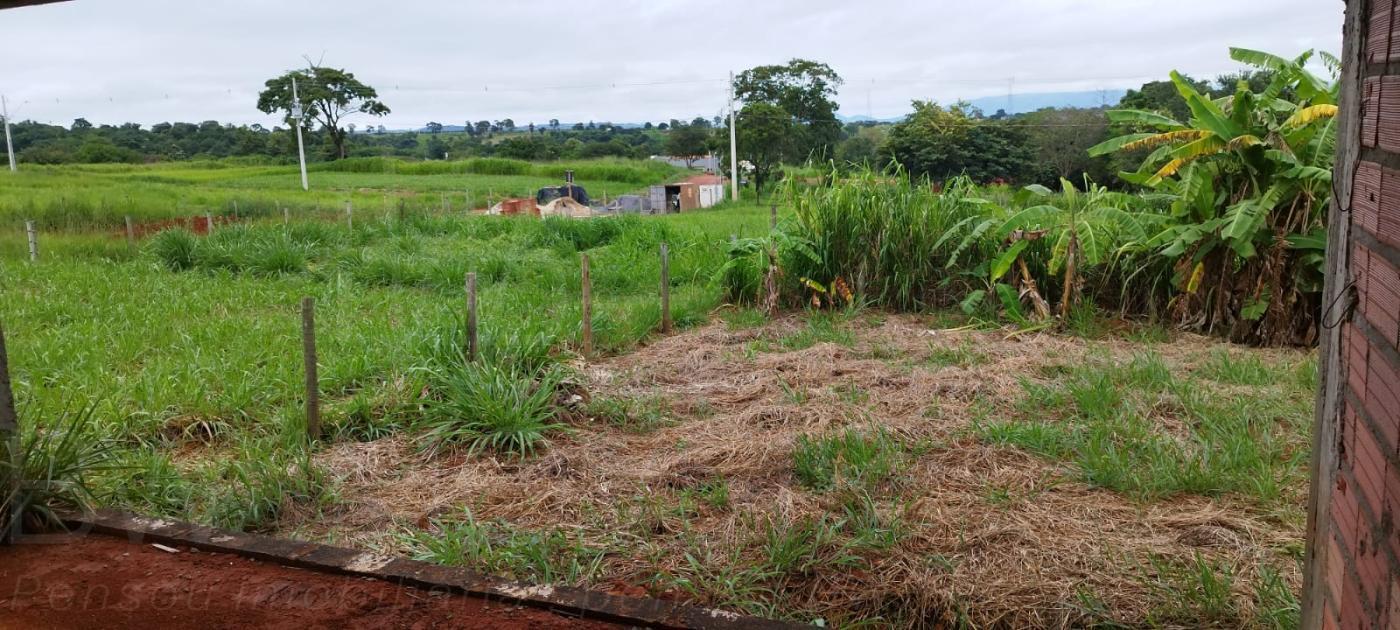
(308, 351)
(130, 233)
(235, 210)
(773, 217)
(665, 288)
(9, 434)
(208, 224)
(471, 316)
(349, 216)
(286, 216)
(587, 316)
(33, 235)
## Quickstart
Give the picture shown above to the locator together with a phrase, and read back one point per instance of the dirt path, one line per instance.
(106, 582)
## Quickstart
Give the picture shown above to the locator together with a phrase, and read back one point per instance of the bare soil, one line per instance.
(109, 583)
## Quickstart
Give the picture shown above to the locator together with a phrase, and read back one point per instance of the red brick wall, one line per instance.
(1360, 571)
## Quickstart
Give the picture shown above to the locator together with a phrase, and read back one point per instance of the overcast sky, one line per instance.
(161, 60)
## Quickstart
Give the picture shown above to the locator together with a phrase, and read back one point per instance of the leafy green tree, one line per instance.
(434, 127)
(688, 143)
(1061, 139)
(435, 149)
(940, 143)
(806, 91)
(1162, 97)
(858, 151)
(326, 95)
(764, 136)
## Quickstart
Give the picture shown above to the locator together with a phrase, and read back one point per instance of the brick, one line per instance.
(1345, 515)
(1392, 616)
(1383, 399)
(1360, 261)
(1384, 276)
(1388, 116)
(1366, 195)
(1355, 360)
(1329, 618)
(1388, 228)
(1354, 614)
(1370, 111)
(1336, 567)
(1371, 568)
(1378, 32)
(1369, 471)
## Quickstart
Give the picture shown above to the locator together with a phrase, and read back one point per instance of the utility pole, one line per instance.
(301, 147)
(733, 143)
(1010, 95)
(9, 146)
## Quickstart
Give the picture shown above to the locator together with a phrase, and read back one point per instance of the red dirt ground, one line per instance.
(106, 582)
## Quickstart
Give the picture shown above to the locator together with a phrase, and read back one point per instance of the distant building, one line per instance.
(693, 193)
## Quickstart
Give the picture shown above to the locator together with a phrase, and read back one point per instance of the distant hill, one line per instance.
(1023, 103)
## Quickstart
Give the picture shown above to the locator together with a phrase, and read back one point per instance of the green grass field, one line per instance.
(83, 197)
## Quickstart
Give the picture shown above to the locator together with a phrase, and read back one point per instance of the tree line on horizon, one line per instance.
(787, 116)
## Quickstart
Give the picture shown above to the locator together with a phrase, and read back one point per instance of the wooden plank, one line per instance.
(665, 289)
(644, 612)
(1329, 399)
(586, 318)
(308, 351)
(471, 316)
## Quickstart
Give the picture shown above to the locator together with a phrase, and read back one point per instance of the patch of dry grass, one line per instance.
(708, 507)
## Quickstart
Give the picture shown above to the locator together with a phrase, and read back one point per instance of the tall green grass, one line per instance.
(190, 343)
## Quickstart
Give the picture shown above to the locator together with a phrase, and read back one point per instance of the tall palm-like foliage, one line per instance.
(1085, 228)
(1248, 177)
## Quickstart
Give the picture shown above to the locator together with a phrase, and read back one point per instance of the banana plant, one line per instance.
(1248, 177)
(1084, 228)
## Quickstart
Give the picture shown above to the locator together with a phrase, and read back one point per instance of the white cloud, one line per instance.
(155, 60)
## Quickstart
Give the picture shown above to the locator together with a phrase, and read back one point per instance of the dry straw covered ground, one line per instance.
(898, 469)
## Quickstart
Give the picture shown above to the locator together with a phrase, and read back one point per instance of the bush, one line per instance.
(50, 472)
(484, 406)
(176, 249)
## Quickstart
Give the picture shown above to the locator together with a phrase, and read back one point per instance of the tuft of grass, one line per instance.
(794, 394)
(49, 471)
(743, 318)
(636, 415)
(483, 405)
(542, 557)
(1148, 430)
(851, 394)
(1197, 593)
(963, 355)
(1275, 602)
(849, 458)
(820, 328)
(1237, 369)
(176, 249)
